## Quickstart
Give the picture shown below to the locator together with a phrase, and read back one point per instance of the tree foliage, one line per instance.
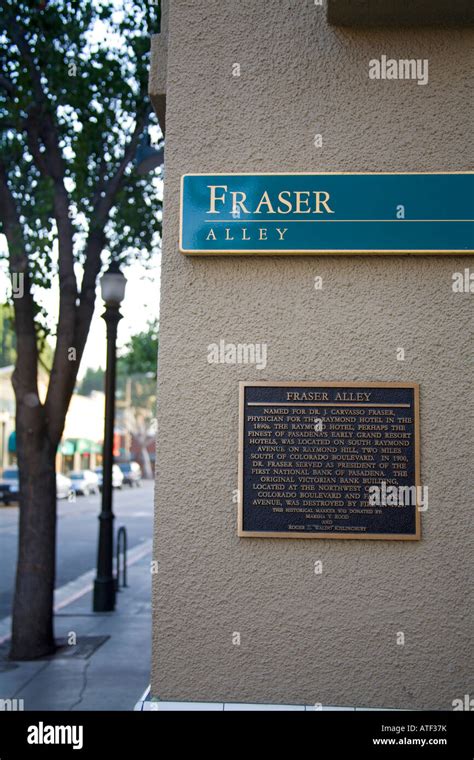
(73, 107)
(137, 360)
(93, 380)
(139, 355)
(8, 341)
(75, 73)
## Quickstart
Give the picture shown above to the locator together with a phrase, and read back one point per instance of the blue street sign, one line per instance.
(327, 213)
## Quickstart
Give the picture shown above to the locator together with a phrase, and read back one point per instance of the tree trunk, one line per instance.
(146, 461)
(32, 630)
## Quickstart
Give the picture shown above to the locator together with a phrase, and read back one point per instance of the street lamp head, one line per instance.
(112, 285)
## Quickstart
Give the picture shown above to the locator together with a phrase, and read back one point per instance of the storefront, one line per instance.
(65, 457)
(78, 454)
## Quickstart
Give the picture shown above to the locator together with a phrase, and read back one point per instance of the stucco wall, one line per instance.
(307, 638)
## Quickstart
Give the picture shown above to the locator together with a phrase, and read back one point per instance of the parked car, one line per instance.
(132, 473)
(63, 486)
(117, 476)
(84, 482)
(9, 485)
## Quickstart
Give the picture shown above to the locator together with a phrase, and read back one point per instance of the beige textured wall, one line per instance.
(307, 638)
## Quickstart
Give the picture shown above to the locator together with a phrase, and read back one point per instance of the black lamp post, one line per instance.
(112, 285)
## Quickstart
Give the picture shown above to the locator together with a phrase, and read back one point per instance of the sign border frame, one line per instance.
(316, 252)
(241, 533)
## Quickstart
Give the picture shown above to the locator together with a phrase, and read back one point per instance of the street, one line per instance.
(77, 534)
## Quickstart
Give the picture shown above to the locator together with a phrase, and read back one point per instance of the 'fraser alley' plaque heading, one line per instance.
(327, 213)
(329, 460)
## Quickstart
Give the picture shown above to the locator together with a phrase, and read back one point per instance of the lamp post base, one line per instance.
(104, 595)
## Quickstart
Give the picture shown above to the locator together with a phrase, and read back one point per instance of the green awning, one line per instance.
(66, 448)
(85, 446)
(81, 445)
(12, 443)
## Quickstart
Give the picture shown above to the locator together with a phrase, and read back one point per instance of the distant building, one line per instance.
(7, 417)
(81, 444)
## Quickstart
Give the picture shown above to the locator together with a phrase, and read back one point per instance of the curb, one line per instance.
(78, 587)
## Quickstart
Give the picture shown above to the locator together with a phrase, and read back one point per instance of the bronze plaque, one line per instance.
(329, 460)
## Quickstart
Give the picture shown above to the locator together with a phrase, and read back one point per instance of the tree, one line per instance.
(136, 375)
(93, 380)
(8, 341)
(73, 105)
(139, 355)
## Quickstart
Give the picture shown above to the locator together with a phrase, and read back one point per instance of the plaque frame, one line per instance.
(241, 533)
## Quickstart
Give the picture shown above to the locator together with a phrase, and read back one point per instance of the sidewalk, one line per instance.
(107, 669)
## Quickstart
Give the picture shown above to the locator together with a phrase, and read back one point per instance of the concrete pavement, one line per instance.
(103, 662)
(108, 668)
